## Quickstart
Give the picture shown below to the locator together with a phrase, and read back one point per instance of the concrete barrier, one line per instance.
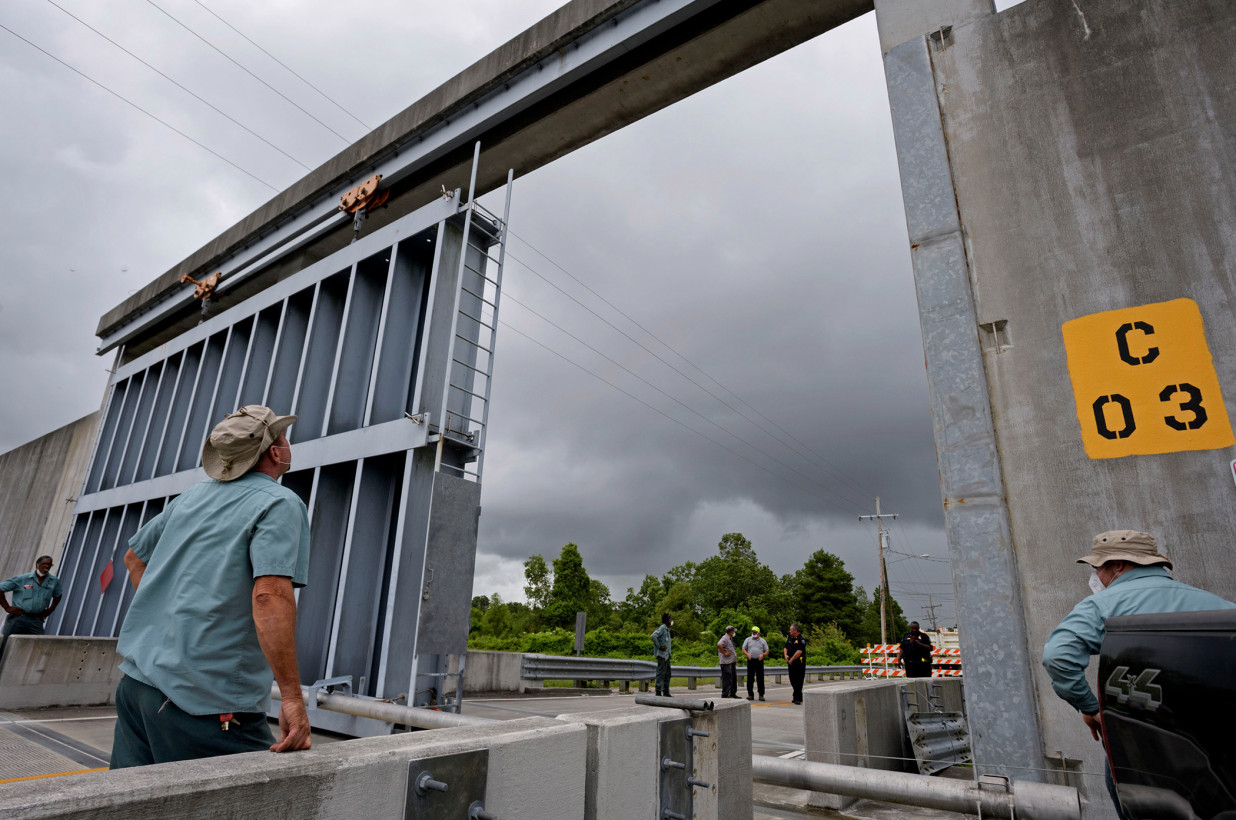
(601, 765)
(487, 672)
(861, 723)
(39, 671)
(360, 778)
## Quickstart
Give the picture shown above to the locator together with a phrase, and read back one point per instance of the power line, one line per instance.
(247, 71)
(658, 411)
(178, 85)
(123, 99)
(793, 446)
(285, 66)
(687, 407)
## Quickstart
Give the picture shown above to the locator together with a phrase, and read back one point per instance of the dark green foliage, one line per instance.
(731, 587)
(824, 593)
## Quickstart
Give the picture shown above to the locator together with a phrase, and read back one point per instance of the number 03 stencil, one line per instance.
(1144, 381)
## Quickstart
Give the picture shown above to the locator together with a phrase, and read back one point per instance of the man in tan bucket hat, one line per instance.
(214, 612)
(1130, 578)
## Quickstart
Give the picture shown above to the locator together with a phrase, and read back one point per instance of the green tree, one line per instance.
(537, 582)
(496, 619)
(734, 579)
(829, 646)
(870, 629)
(824, 593)
(677, 602)
(571, 590)
(638, 609)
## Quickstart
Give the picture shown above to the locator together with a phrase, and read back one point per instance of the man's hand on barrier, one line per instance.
(294, 729)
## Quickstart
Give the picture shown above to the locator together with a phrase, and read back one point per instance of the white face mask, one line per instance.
(1096, 585)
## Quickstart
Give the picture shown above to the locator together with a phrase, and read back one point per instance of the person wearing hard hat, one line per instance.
(756, 650)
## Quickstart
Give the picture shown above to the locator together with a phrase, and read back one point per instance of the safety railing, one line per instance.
(625, 671)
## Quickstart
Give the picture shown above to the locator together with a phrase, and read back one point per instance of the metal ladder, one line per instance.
(474, 329)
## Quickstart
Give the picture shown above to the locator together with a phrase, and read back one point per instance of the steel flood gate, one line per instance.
(384, 349)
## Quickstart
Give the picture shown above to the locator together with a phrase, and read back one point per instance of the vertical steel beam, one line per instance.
(383, 317)
(999, 693)
(163, 412)
(274, 354)
(149, 416)
(341, 583)
(340, 341)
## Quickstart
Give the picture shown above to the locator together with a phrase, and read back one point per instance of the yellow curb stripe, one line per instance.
(55, 774)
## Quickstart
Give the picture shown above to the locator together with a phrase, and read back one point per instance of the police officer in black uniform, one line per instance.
(795, 653)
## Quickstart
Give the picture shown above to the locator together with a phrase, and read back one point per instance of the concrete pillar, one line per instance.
(723, 760)
(1006, 738)
(855, 724)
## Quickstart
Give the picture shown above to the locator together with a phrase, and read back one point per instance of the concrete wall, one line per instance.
(488, 672)
(39, 482)
(38, 671)
(861, 723)
(1091, 155)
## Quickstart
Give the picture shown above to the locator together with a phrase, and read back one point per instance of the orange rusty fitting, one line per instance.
(205, 288)
(364, 196)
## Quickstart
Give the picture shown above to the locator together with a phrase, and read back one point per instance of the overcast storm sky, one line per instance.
(755, 229)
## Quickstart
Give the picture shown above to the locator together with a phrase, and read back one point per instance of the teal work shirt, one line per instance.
(1138, 591)
(661, 642)
(189, 631)
(29, 595)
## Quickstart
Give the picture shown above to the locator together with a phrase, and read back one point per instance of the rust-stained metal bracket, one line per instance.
(365, 196)
(205, 288)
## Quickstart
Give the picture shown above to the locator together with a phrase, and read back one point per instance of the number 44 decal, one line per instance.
(1136, 690)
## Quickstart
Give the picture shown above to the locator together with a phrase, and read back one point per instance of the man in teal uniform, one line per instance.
(214, 613)
(35, 596)
(661, 643)
(1130, 578)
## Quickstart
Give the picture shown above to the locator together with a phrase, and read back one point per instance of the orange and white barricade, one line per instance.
(880, 661)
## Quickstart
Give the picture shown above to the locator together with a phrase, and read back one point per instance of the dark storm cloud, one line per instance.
(756, 228)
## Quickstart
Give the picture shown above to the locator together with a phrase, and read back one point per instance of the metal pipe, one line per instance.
(674, 703)
(388, 712)
(1030, 801)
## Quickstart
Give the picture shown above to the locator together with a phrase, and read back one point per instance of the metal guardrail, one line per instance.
(558, 667)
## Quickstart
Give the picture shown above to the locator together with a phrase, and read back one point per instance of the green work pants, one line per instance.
(152, 729)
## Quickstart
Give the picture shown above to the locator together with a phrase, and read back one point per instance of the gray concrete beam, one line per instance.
(633, 80)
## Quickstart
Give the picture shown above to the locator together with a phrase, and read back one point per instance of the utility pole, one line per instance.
(931, 609)
(879, 519)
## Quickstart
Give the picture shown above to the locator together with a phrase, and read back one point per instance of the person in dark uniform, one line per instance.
(661, 644)
(916, 653)
(795, 653)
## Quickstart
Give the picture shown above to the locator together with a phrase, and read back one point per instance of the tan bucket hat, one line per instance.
(238, 441)
(1124, 545)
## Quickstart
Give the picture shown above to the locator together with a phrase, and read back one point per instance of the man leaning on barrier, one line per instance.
(214, 612)
(1131, 577)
